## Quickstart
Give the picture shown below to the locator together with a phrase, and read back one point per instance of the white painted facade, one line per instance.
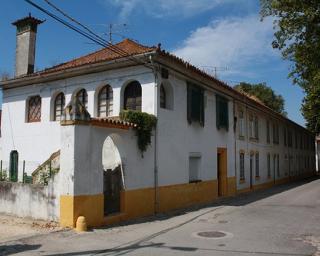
(87, 150)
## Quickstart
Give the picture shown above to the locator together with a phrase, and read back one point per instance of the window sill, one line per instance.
(30, 122)
(257, 177)
(241, 137)
(195, 181)
(254, 140)
(242, 181)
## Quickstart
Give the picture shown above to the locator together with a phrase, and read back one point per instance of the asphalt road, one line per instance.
(284, 220)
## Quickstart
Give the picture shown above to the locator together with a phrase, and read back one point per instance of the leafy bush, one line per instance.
(3, 175)
(145, 123)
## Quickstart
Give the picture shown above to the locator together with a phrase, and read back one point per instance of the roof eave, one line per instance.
(42, 77)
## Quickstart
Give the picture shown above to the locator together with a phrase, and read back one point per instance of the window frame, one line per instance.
(241, 124)
(242, 166)
(82, 96)
(133, 94)
(195, 104)
(222, 112)
(163, 97)
(62, 105)
(38, 107)
(257, 163)
(107, 92)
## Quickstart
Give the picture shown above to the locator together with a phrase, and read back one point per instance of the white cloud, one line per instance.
(161, 8)
(235, 43)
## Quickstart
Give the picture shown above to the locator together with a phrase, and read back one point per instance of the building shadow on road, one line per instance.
(17, 248)
(238, 200)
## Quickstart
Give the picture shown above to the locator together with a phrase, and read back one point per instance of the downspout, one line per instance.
(156, 185)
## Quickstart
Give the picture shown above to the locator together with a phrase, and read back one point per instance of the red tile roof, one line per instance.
(106, 54)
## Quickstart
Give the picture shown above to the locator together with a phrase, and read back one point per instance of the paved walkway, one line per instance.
(284, 220)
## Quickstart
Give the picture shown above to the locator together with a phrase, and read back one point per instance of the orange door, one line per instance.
(222, 172)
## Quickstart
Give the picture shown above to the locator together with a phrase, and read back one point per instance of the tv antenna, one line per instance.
(214, 70)
(114, 29)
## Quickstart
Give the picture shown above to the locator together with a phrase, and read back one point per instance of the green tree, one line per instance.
(297, 36)
(265, 94)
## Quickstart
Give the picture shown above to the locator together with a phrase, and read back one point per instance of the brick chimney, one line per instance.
(26, 44)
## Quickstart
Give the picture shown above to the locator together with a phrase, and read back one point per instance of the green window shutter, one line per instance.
(202, 107)
(222, 113)
(189, 102)
(218, 112)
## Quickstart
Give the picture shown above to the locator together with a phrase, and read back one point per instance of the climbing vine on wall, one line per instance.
(145, 123)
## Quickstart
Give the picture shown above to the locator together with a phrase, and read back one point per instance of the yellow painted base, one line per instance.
(89, 206)
(141, 202)
(283, 180)
(263, 185)
(232, 186)
(184, 195)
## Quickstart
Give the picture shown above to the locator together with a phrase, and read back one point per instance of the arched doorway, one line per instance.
(113, 181)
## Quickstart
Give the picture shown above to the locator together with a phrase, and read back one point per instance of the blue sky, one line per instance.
(208, 33)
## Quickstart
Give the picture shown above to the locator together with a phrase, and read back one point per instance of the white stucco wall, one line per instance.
(177, 139)
(35, 142)
(82, 159)
(25, 200)
(287, 167)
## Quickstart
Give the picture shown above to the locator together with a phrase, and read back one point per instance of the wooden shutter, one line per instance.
(189, 101)
(222, 113)
(202, 107)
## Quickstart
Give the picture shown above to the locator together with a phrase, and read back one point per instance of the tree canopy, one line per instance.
(265, 94)
(297, 36)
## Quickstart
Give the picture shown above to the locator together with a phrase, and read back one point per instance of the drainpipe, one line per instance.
(156, 185)
(235, 142)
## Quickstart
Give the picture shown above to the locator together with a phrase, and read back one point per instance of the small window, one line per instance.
(242, 175)
(59, 104)
(269, 165)
(275, 133)
(195, 104)
(194, 168)
(268, 131)
(34, 109)
(82, 96)
(241, 124)
(222, 113)
(163, 98)
(133, 96)
(289, 138)
(257, 165)
(256, 127)
(105, 102)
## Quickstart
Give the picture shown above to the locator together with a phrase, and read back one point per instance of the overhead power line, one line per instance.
(89, 34)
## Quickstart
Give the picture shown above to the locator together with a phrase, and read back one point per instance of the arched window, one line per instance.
(83, 97)
(132, 96)
(105, 101)
(59, 104)
(34, 109)
(163, 99)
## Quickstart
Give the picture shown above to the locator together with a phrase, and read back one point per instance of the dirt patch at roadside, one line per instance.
(13, 228)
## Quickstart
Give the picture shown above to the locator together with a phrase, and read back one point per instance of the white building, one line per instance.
(210, 140)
